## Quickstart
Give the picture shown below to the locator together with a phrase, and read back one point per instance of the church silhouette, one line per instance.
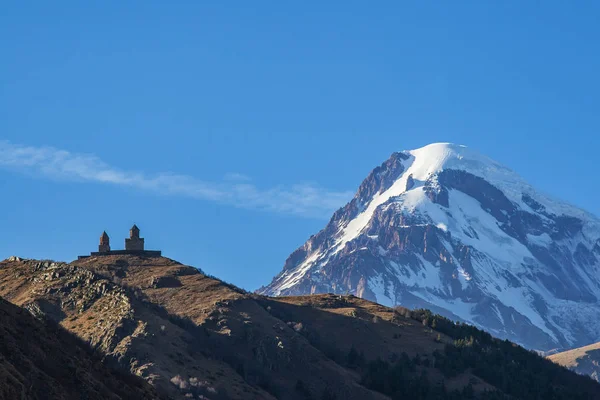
(134, 245)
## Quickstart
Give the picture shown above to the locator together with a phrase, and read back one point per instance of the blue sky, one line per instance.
(229, 133)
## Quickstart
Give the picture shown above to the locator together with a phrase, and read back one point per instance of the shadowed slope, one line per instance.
(40, 360)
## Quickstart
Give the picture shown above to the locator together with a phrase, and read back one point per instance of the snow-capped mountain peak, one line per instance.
(421, 166)
(447, 228)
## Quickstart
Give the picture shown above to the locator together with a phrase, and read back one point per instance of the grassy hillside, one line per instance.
(583, 360)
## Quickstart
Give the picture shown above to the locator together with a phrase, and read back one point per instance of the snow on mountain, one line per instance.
(447, 228)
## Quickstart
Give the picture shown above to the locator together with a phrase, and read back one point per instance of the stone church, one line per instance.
(134, 245)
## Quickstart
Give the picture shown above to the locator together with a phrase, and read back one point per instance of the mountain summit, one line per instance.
(446, 228)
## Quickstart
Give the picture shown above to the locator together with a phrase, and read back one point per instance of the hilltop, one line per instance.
(191, 335)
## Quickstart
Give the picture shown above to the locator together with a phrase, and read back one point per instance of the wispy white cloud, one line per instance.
(304, 199)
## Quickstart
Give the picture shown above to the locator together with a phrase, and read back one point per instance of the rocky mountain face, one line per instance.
(446, 228)
(583, 360)
(40, 360)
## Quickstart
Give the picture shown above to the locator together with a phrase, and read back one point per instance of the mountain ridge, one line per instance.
(192, 336)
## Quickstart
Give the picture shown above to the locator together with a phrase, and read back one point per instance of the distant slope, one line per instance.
(446, 228)
(193, 336)
(40, 360)
(583, 360)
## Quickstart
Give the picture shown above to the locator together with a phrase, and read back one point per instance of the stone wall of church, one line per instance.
(135, 244)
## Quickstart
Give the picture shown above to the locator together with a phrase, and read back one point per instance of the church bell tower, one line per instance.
(135, 242)
(104, 243)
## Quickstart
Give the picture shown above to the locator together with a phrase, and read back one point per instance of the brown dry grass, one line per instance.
(570, 358)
